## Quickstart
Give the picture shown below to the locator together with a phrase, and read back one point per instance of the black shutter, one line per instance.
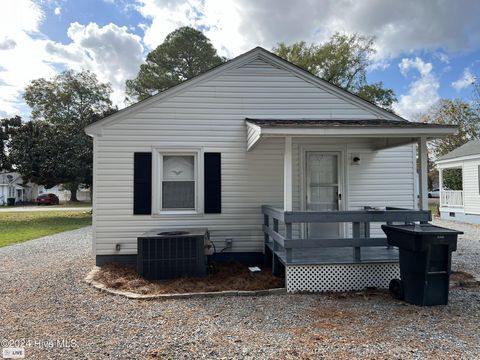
(142, 183)
(212, 183)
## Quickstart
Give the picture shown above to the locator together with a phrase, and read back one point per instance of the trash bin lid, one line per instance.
(420, 229)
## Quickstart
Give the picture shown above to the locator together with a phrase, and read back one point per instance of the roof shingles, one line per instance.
(316, 123)
(468, 149)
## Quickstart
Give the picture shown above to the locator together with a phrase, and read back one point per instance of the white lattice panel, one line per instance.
(342, 277)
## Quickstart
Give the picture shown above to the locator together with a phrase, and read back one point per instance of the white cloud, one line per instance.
(7, 44)
(442, 57)
(110, 51)
(235, 26)
(22, 52)
(422, 92)
(166, 17)
(464, 81)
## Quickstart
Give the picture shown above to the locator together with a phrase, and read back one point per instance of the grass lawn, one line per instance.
(433, 207)
(21, 226)
(69, 204)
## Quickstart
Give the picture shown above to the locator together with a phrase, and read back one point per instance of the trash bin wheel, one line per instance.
(396, 289)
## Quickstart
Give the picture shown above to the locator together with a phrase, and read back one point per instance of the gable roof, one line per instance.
(256, 53)
(8, 177)
(468, 149)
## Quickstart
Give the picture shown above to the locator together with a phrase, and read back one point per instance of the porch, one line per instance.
(341, 264)
(451, 199)
(323, 239)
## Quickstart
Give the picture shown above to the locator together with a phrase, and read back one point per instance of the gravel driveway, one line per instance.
(44, 300)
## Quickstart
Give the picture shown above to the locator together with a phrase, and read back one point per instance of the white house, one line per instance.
(461, 205)
(13, 186)
(83, 193)
(254, 139)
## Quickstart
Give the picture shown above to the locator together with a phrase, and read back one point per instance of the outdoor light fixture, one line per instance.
(117, 247)
(355, 159)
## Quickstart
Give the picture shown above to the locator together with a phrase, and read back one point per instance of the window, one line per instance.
(178, 181)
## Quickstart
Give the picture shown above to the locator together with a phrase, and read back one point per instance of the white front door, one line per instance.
(323, 190)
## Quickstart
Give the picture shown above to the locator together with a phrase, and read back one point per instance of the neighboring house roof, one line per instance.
(469, 149)
(9, 177)
(309, 123)
(256, 53)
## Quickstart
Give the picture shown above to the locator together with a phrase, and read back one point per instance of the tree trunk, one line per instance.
(73, 192)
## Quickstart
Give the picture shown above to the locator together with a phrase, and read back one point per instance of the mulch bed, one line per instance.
(221, 277)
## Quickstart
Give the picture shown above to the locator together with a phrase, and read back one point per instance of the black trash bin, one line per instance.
(425, 262)
(10, 201)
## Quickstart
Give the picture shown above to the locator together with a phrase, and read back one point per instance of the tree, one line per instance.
(7, 128)
(452, 179)
(36, 154)
(343, 61)
(476, 95)
(58, 149)
(378, 95)
(452, 112)
(185, 53)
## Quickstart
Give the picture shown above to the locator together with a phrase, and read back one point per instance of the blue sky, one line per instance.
(426, 50)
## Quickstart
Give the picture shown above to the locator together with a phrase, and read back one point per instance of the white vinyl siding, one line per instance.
(211, 116)
(471, 191)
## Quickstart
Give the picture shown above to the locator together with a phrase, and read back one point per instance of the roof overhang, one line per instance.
(385, 133)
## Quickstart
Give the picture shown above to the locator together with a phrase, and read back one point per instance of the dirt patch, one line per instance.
(460, 279)
(461, 276)
(221, 277)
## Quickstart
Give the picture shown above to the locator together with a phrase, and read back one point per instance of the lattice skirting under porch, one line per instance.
(339, 277)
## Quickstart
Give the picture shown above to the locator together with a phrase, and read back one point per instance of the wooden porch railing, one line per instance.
(360, 221)
(451, 198)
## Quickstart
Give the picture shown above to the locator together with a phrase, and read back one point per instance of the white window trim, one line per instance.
(157, 169)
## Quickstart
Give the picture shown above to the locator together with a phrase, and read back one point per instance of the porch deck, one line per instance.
(330, 256)
(334, 264)
(360, 248)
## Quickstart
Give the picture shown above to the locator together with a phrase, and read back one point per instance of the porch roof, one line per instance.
(468, 150)
(390, 132)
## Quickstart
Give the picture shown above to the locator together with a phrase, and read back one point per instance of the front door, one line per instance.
(323, 190)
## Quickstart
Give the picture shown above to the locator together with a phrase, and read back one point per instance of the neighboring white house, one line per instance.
(83, 193)
(254, 131)
(462, 205)
(12, 186)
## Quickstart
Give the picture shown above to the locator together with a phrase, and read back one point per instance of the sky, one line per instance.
(425, 50)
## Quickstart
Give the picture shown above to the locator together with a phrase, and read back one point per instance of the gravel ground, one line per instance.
(44, 300)
(467, 256)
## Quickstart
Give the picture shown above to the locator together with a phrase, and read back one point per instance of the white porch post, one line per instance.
(440, 185)
(423, 157)
(287, 176)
